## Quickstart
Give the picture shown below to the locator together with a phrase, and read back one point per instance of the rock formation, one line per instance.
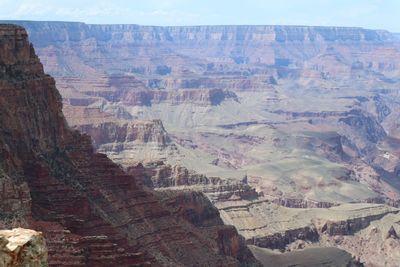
(374, 245)
(392, 233)
(130, 142)
(22, 247)
(90, 212)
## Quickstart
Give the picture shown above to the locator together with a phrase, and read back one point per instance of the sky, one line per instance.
(372, 14)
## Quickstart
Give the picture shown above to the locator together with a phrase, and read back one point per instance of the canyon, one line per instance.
(288, 133)
(303, 112)
(90, 212)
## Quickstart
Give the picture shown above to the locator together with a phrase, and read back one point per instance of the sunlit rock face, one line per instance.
(22, 247)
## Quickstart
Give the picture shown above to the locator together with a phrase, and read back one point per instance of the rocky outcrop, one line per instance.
(348, 227)
(22, 247)
(130, 142)
(374, 245)
(392, 233)
(281, 240)
(73, 188)
(161, 175)
(165, 176)
(176, 97)
(126, 132)
(301, 203)
(79, 115)
(266, 224)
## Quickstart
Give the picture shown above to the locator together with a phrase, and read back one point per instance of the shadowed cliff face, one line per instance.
(53, 181)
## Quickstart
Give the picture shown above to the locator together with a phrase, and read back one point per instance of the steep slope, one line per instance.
(90, 211)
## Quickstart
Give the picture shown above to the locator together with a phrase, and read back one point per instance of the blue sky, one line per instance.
(374, 14)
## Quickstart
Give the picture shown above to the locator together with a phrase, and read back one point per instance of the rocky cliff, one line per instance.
(90, 211)
(371, 243)
(130, 142)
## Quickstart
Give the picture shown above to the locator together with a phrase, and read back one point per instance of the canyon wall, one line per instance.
(118, 61)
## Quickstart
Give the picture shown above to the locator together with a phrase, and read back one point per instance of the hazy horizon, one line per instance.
(369, 14)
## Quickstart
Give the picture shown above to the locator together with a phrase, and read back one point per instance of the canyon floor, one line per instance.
(291, 132)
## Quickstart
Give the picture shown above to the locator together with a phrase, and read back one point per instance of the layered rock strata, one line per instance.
(58, 184)
(233, 53)
(269, 225)
(367, 231)
(130, 142)
(375, 245)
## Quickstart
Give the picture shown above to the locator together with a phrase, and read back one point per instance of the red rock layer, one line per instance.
(148, 97)
(109, 216)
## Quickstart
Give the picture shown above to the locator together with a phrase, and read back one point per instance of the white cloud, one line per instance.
(101, 12)
(31, 8)
(365, 13)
